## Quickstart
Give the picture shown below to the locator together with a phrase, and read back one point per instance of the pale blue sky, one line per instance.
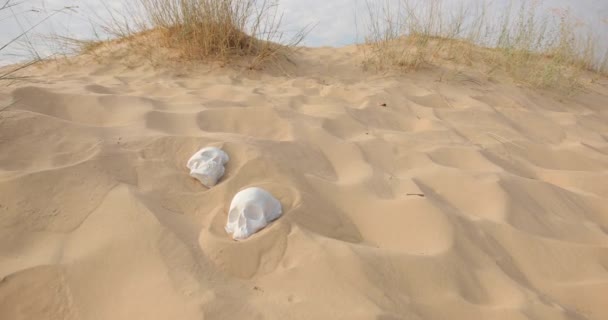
(334, 20)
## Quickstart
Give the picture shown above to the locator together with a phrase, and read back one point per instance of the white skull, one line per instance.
(207, 165)
(251, 210)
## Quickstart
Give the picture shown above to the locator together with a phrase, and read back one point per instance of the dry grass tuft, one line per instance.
(535, 48)
(8, 74)
(209, 30)
(11, 73)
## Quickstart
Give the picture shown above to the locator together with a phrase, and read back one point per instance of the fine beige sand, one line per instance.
(437, 194)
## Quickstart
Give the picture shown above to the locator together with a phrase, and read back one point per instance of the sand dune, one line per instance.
(405, 196)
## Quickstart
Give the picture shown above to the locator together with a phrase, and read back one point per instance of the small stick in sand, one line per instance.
(415, 194)
(504, 140)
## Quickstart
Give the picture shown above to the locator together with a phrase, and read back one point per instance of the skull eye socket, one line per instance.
(206, 156)
(233, 215)
(253, 213)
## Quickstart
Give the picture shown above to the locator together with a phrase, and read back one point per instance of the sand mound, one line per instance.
(404, 197)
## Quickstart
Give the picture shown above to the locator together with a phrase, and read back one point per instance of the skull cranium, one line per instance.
(251, 210)
(207, 165)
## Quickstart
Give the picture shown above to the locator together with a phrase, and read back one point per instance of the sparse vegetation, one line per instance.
(536, 48)
(9, 74)
(202, 29)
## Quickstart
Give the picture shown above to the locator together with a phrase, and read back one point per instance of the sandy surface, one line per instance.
(438, 194)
